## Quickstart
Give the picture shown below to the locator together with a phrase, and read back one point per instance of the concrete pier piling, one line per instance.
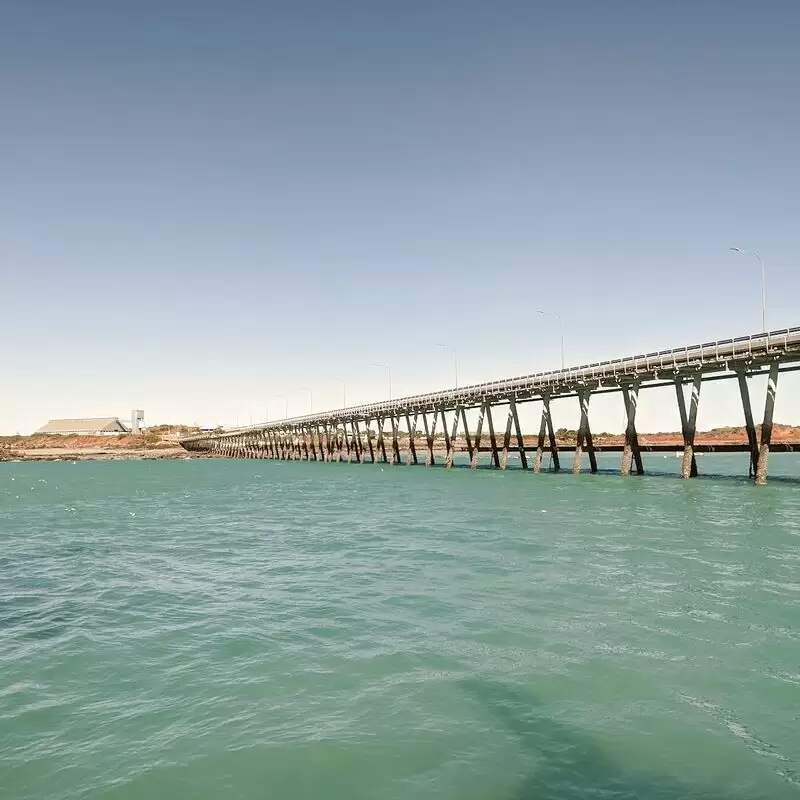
(338, 435)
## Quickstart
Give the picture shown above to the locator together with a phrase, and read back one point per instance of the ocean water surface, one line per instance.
(247, 629)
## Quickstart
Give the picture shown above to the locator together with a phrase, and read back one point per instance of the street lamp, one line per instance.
(763, 286)
(344, 391)
(285, 405)
(310, 398)
(455, 359)
(388, 376)
(561, 321)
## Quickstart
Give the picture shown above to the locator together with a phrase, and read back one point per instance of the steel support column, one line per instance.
(766, 425)
(523, 456)
(411, 453)
(631, 452)
(752, 438)
(451, 442)
(324, 442)
(467, 437)
(689, 424)
(312, 432)
(347, 442)
(369, 441)
(492, 437)
(446, 431)
(551, 435)
(537, 464)
(507, 436)
(475, 450)
(584, 435)
(336, 442)
(381, 441)
(342, 445)
(546, 428)
(395, 440)
(358, 445)
(428, 437)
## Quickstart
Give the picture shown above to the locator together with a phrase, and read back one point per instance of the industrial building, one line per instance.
(92, 426)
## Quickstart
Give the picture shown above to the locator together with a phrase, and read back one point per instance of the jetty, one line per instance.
(404, 430)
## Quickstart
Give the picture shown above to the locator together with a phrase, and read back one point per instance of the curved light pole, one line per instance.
(763, 286)
(561, 321)
(344, 391)
(455, 359)
(310, 398)
(285, 405)
(388, 376)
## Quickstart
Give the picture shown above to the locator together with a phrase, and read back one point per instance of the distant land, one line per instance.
(162, 443)
(156, 443)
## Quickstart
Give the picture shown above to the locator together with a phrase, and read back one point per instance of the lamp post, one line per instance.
(388, 376)
(310, 398)
(763, 286)
(455, 359)
(561, 321)
(285, 405)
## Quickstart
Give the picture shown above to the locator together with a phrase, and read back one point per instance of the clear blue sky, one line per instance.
(205, 205)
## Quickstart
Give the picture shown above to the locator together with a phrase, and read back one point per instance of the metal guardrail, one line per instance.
(784, 344)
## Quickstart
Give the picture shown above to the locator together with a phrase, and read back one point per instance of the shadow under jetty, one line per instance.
(569, 765)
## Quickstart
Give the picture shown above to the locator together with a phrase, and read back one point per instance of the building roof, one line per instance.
(88, 425)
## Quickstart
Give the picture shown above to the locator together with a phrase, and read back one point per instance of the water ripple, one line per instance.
(232, 629)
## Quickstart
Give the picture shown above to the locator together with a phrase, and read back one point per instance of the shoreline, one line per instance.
(99, 454)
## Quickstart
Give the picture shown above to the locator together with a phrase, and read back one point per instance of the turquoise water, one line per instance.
(248, 629)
